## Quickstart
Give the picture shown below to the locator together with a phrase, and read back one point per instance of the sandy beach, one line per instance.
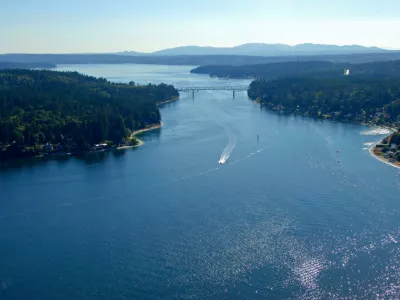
(140, 143)
(169, 101)
(136, 132)
(156, 126)
(152, 127)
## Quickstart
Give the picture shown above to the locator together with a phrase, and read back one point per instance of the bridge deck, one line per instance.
(235, 88)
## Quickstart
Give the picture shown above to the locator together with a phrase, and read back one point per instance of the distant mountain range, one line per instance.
(260, 49)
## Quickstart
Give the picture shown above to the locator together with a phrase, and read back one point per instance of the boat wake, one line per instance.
(247, 156)
(228, 149)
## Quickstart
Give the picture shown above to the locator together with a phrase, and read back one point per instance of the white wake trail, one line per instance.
(228, 149)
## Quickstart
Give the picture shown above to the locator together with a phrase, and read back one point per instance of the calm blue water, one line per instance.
(282, 218)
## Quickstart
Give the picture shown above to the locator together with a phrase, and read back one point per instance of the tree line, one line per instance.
(318, 69)
(395, 139)
(342, 98)
(39, 107)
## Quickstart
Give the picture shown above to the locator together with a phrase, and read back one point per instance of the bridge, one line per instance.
(231, 88)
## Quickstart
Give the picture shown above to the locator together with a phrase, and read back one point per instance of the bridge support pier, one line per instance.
(233, 94)
(193, 94)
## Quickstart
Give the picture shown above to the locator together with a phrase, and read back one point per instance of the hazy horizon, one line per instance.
(90, 27)
(211, 46)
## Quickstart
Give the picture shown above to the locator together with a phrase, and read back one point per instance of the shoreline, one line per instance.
(52, 156)
(139, 131)
(382, 159)
(371, 149)
(168, 101)
(140, 143)
(280, 110)
(151, 127)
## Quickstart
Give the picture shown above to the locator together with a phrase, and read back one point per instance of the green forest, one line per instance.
(396, 138)
(68, 112)
(344, 98)
(318, 69)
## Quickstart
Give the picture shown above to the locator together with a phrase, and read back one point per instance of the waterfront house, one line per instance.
(48, 147)
(389, 154)
(98, 147)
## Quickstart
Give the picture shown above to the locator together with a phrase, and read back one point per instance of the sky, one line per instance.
(97, 26)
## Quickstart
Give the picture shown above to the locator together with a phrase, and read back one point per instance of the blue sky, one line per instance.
(75, 26)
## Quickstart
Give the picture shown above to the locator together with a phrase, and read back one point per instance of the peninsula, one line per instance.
(66, 113)
(388, 150)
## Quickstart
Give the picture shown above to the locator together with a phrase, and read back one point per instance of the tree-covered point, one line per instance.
(343, 98)
(40, 109)
(317, 69)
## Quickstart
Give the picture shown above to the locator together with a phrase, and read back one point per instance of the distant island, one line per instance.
(26, 65)
(66, 113)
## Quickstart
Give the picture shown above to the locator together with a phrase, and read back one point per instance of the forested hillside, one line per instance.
(40, 109)
(343, 98)
(303, 68)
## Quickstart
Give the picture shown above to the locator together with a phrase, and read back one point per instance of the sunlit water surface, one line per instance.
(305, 212)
